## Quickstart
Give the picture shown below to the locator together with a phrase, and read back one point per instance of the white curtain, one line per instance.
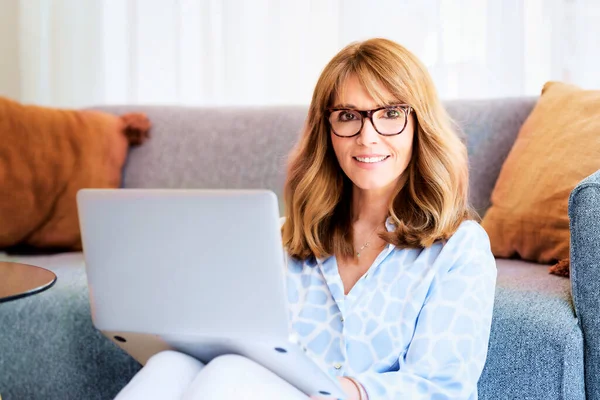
(74, 53)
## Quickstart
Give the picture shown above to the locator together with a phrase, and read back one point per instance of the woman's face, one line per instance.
(371, 161)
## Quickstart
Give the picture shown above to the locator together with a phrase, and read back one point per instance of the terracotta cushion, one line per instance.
(46, 156)
(557, 147)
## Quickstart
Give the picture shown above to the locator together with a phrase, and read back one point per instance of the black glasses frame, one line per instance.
(369, 115)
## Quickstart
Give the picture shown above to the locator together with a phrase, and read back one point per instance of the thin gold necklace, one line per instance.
(366, 243)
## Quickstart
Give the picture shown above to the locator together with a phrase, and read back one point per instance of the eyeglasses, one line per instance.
(387, 121)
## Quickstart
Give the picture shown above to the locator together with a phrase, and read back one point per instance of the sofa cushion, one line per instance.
(557, 146)
(536, 346)
(46, 156)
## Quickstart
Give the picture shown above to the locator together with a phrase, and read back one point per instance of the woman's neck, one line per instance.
(369, 207)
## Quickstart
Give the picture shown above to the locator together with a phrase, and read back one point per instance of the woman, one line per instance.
(390, 281)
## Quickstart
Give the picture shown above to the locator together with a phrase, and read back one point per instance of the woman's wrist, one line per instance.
(359, 390)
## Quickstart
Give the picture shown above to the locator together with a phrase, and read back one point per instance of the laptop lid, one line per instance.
(201, 262)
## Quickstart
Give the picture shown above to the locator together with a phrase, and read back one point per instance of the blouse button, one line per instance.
(337, 366)
(342, 319)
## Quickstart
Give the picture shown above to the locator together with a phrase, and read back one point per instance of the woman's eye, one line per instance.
(392, 113)
(347, 116)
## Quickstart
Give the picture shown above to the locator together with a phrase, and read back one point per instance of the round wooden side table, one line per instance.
(19, 280)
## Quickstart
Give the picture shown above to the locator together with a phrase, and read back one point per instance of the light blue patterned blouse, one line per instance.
(415, 326)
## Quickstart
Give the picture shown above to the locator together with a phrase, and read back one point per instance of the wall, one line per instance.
(9, 49)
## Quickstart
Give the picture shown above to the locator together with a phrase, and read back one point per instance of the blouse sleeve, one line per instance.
(446, 355)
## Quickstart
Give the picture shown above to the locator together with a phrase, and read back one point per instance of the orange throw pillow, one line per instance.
(46, 156)
(557, 147)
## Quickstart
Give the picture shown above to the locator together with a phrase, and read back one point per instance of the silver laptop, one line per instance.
(197, 271)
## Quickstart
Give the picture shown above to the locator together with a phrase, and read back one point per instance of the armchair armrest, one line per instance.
(584, 214)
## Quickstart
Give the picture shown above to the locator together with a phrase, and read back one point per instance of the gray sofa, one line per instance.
(545, 340)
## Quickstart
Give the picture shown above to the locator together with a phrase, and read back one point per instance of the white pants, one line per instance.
(170, 375)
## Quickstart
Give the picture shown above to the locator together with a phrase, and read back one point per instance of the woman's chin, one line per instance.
(371, 186)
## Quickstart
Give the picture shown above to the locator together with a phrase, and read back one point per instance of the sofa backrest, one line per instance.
(490, 128)
(247, 147)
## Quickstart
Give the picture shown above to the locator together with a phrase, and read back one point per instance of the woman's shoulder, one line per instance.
(469, 246)
(470, 233)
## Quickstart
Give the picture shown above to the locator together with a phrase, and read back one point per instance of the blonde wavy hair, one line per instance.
(431, 198)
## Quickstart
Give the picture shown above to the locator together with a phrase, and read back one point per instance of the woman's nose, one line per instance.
(368, 134)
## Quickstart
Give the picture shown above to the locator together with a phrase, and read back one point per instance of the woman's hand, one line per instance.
(349, 388)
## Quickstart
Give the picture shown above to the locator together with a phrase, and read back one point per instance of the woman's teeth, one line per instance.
(370, 159)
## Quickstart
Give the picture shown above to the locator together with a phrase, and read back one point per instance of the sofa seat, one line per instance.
(534, 324)
(58, 322)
